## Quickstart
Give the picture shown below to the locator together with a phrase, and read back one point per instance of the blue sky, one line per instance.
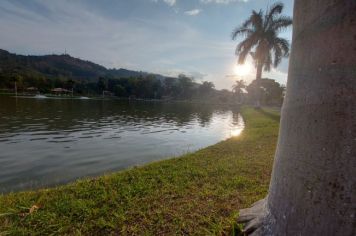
(160, 36)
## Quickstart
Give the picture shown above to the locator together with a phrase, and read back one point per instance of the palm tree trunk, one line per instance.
(313, 184)
(258, 85)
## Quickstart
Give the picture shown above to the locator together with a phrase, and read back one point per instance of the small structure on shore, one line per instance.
(60, 91)
(32, 90)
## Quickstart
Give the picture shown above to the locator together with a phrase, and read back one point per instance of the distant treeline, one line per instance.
(42, 74)
(150, 87)
(146, 87)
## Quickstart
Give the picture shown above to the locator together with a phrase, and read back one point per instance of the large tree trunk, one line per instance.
(313, 185)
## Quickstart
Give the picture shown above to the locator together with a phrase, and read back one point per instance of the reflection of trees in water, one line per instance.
(235, 118)
(58, 115)
(204, 116)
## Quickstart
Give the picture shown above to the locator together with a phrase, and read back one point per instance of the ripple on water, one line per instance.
(159, 131)
(93, 132)
(62, 137)
(45, 133)
(38, 139)
(113, 137)
(62, 141)
(86, 137)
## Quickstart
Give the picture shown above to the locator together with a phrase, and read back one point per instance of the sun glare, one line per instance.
(236, 132)
(242, 69)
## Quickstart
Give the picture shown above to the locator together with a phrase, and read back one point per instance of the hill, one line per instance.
(66, 75)
(57, 66)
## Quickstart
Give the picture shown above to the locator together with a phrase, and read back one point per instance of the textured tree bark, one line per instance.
(313, 184)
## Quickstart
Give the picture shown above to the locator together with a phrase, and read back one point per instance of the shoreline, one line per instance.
(197, 192)
(108, 98)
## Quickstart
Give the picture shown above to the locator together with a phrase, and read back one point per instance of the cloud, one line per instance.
(193, 12)
(222, 1)
(197, 75)
(168, 2)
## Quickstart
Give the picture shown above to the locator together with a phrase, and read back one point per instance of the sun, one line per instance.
(242, 69)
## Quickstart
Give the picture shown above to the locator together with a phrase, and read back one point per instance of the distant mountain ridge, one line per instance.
(60, 66)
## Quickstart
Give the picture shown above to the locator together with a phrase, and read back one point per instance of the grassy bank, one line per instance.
(199, 193)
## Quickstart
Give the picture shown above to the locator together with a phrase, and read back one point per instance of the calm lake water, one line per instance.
(45, 142)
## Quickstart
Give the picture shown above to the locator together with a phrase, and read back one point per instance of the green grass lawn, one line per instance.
(196, 194)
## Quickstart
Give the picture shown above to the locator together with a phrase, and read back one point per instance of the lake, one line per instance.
(46, 142)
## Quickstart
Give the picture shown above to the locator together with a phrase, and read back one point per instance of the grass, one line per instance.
(196, 194)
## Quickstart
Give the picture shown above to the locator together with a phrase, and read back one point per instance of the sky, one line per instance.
(159, 36)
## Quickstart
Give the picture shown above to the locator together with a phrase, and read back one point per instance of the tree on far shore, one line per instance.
(237, 89)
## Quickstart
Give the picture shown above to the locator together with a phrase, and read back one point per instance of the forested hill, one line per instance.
(57, 66)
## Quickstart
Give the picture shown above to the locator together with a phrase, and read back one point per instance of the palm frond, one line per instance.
(247, 43)
(277, 55)
(240, 31)
(253, 56)
(255, 20)
(272, 11)
(275, 9)
(244, 48)
(281, 23)
(283, 44)
(242, 55)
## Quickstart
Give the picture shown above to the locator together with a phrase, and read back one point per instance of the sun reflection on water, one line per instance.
(236, 132)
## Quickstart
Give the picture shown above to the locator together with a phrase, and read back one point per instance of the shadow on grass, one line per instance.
(271, 115)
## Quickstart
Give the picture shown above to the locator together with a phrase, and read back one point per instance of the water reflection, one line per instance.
(51, 141)
(237, 124)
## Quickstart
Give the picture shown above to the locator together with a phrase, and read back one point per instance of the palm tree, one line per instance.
(261, 39)
(237, 88)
